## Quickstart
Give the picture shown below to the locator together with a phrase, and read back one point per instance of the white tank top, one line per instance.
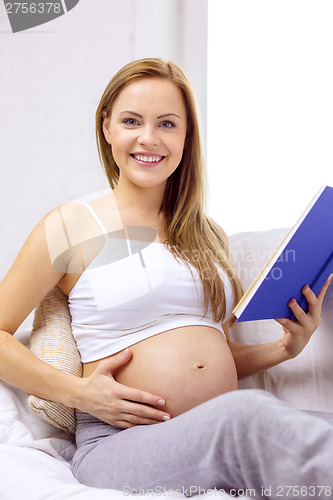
(133, 290)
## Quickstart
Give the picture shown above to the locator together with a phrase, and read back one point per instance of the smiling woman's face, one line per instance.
(147, 131)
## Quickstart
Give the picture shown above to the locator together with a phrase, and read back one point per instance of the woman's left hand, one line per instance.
(298, 333)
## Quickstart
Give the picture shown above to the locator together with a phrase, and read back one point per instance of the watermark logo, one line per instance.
(25, 15)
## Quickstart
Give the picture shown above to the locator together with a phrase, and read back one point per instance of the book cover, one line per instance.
(305, 257)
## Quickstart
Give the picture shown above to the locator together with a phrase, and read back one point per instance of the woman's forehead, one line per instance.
(153, 93)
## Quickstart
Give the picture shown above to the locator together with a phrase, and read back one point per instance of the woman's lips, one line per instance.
(147, 160)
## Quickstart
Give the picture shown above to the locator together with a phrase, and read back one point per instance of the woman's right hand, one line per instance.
(115, 403)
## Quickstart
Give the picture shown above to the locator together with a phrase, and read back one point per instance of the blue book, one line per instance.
(305, 257)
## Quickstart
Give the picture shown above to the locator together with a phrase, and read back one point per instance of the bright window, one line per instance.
(270, 110)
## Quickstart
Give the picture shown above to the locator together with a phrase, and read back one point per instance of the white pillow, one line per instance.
(306, 381)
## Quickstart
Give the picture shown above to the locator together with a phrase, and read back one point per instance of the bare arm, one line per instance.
(251, 359)
(28, 280)
(26, 283)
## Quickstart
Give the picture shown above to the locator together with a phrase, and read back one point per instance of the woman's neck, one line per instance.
(142, 201)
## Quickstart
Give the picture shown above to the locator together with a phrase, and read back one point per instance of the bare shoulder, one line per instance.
(82, 219)
(70, 220)
(34, 273)
(49, 253)
(30, 277)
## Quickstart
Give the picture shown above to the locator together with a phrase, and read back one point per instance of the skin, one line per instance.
(148, 121)
(251, 359)
(148, 117)
(139, 194)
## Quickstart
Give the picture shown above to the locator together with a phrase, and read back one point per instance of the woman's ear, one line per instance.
(106, 127)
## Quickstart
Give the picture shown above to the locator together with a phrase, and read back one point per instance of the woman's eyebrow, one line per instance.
(168, 114)
(140, 116)
(132, 113)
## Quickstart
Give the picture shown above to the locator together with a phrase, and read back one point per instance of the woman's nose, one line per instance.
(148, 137)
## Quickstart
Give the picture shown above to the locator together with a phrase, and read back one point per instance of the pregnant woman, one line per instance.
(151, 290)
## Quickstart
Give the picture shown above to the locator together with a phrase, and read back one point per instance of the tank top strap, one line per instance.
(95, 216)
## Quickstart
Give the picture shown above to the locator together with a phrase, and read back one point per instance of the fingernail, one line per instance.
(165, 418)
(124, 352)
(292, 302)
(306, 288)
(161, 402)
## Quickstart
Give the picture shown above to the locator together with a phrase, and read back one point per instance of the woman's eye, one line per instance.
(131, 122)
(167, 124)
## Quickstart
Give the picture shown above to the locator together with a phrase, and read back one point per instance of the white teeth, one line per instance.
(148, 158)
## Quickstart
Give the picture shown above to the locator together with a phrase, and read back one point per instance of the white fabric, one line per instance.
(34, 455)
(120, 302)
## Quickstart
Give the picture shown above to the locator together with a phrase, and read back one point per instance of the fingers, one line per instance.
(130, 421)
(127, 421)
(119, 404)
(142, 407)
(108, 366)
(131, 415)
(309, 320)
(143, 397)
(298, 333)
(289, 325)
(143, 404)
(323, 291)
(125, 413)
(137, 414)
(314, 302)
(300, 315)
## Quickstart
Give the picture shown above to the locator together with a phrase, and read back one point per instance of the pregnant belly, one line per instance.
(186, 366)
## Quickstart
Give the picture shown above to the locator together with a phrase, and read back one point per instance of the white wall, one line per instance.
(181, 35)
(270, 108)
(51, 80)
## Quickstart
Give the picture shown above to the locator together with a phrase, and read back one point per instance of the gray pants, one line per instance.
(241, 441)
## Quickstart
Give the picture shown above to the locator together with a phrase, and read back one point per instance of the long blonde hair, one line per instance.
(191, 235)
